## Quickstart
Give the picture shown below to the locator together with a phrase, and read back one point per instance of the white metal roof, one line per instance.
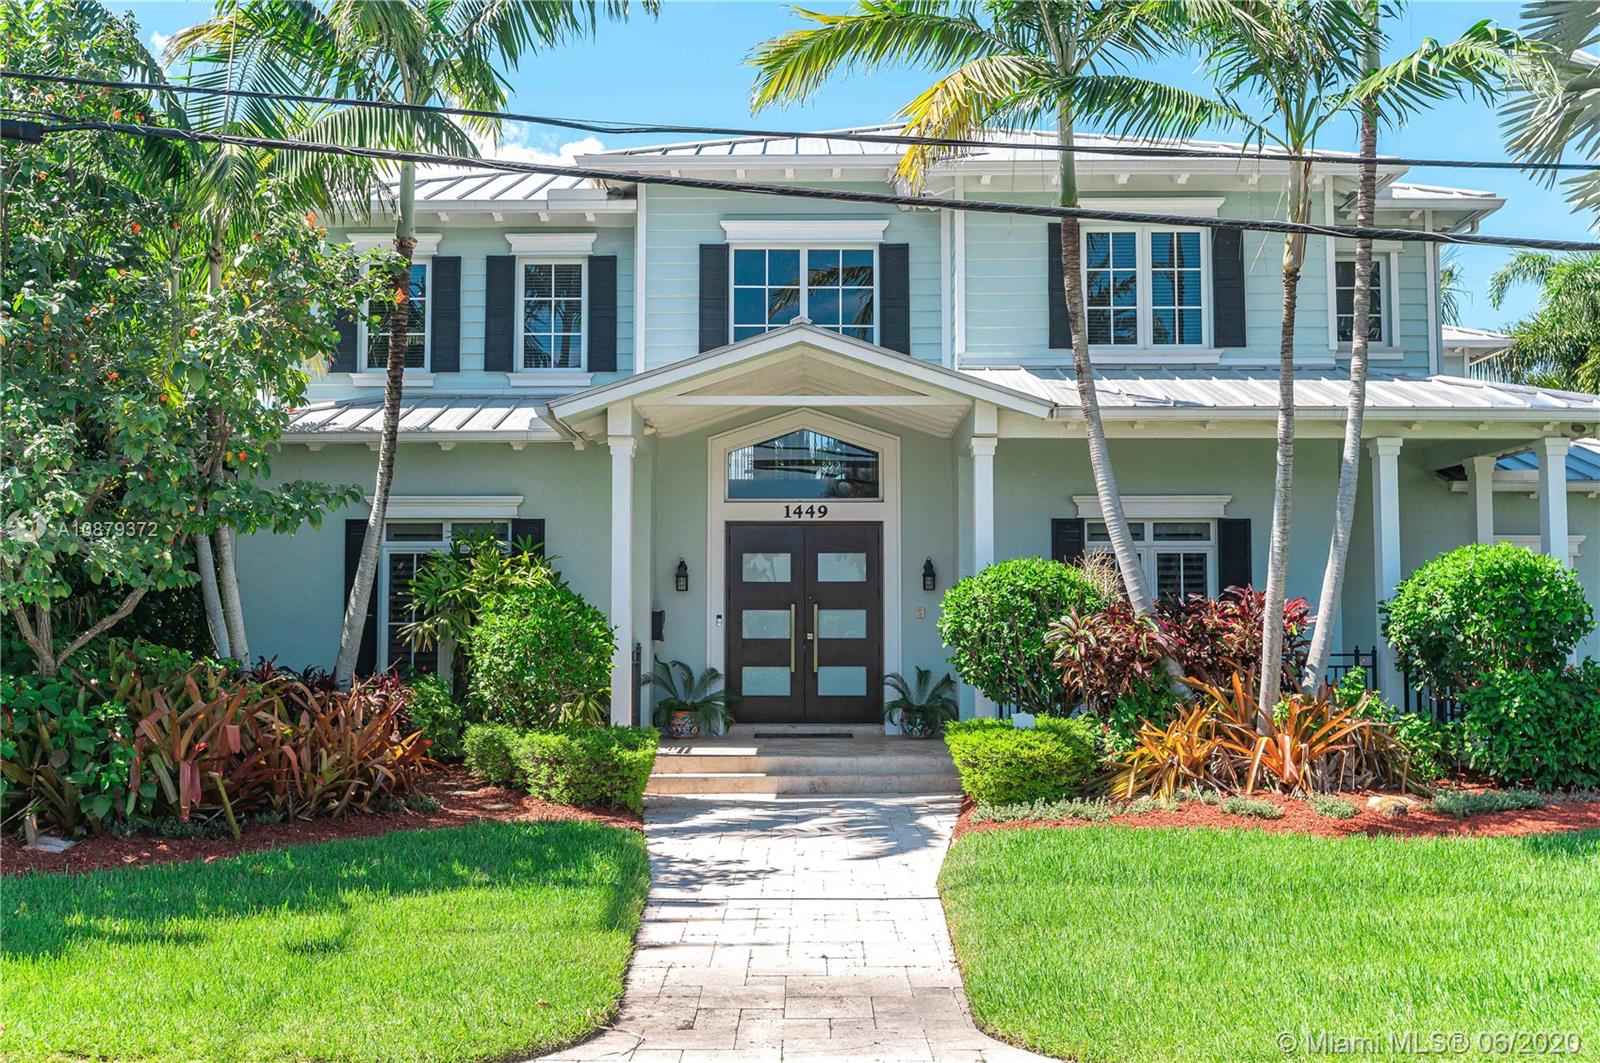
(458, 418)
(1477, 340)
(1221, 392)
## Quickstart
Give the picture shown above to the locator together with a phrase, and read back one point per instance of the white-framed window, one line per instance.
(1378, 310)
(553, 294)
(1145, 286)
(832, 287)
(375, 338)
(1179, 557)
(407, 544)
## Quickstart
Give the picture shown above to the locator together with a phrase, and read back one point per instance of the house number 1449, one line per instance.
(810, 512)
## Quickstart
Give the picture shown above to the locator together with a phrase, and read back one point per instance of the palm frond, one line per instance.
(988, 90)
(1479, 63)
(1137, 107)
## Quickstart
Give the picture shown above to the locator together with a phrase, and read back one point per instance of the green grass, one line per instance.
(1111, 943)
(471, 943)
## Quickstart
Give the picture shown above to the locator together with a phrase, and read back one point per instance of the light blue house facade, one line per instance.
(767, 434)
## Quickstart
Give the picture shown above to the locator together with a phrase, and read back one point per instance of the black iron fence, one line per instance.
(1442, 704)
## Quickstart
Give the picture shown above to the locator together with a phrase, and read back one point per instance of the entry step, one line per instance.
(733, 764)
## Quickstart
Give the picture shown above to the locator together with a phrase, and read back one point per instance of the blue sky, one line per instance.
(687, 67)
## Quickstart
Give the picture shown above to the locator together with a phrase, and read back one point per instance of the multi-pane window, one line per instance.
(1176, 307)
(1345, 300)
(552, 315)
(407, 545)
(831, 287)
(416, 326)
(1178, 557)
(803, 464)
(1111, 287)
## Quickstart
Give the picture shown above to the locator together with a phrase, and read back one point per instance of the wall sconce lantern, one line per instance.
(680, 579)
(929, 578)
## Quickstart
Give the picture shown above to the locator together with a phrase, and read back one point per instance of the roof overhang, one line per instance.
(799, 366)
(446, 420)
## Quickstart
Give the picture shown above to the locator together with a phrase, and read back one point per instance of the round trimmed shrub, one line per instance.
(1480, 609)
(1001, 764)
(1541, 728)
(535, 650)
(995, 623)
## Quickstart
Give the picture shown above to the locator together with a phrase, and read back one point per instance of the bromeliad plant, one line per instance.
(921, 709)
(689, 705)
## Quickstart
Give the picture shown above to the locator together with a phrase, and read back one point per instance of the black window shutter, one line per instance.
(713, 296)
(1056, 291)
(894, 297)
(1066, 539)
(355, 534)
(499, 313)
(344, 358)
(531, 528)
(1233, 553)
(602, 313)
(1227, 287)
(445, 356)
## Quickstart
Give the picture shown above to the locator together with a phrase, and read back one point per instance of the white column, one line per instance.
(1385, 454)
(1480, 489)
(624, 444)
(982, 449)
(1552, 452)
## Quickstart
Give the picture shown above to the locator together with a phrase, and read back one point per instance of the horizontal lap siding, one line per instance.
(678, 221)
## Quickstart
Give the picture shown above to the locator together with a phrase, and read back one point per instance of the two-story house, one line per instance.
(767, 434)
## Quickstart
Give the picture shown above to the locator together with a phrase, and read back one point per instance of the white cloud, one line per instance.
(516, 146)
(158, 42)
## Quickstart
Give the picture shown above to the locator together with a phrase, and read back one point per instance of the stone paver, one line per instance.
(795, 929)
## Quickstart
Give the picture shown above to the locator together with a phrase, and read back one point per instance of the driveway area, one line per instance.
(795, 928)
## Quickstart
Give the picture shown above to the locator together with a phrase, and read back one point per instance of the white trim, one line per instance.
(427, 243)
(774, 233)
(549, 378)
(451, 507)
(804, 287)
(1158, 507)
(552, 376)
(551, 243)
(1146, 350)
(720, 510)
(640, 251)
(1328, 258)
(373, 376)
(1531, 542)
(958, 236)
(1525, 482)
(1435, 316)
(1388, 263)
(377, 378)
(1189, 206)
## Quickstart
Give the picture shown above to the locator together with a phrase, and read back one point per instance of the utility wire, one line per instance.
(828, 194)
(854, 136)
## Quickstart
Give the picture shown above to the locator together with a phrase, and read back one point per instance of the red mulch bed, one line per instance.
(462, 798)
(1298, 818)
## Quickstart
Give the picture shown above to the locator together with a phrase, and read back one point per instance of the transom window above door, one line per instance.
(803, 465)
(416, 326)
(1178, 557)
(834, 288)
(1145, 287)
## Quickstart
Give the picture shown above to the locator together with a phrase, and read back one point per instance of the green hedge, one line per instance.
(437, 715)
(1537, 727)
(534, 653)
(1002, 765)
(587, 767)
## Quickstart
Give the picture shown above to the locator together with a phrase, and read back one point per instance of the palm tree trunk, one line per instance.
(1344, 506)
(1105, 480)
(232, 606)
(355, 613)
(224, 576)
(206, 563)
(1294, 247)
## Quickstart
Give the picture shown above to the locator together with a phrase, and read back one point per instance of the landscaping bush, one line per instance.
(1540, 727)
(1001, 764)
(1332, 807)
(1479, 608)
(1463, 803)
(1254, 807)
(535, 651)
(1435, 749)
(590, 768)
(488, 748)
(435, 713)
(995, 623)
(1217, 637)
(1104, 655)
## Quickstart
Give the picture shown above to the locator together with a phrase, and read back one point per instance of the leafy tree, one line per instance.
(1558, 345)
(404, 51)
(1012, 63)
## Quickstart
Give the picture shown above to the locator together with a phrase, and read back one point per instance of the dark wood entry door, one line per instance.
(805, 622)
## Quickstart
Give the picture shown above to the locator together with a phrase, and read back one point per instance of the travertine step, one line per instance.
(739, 782)
(736, 764)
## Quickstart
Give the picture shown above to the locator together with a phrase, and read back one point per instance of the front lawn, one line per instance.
(476, 942)
(1113, 943)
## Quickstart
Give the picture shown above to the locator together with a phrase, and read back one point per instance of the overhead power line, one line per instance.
(829, 194)
(853, 136)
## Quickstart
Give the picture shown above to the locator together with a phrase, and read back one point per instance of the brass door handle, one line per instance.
(793, 635)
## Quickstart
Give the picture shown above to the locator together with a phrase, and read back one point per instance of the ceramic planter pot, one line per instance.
(918, 725)
(683, 725)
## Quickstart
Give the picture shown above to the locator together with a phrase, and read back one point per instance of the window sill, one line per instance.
(550, 378)
(1154, 355)
(1379, 354)
(375, 378)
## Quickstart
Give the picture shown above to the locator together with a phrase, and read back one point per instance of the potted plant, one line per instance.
(688, 706)
(919, 709)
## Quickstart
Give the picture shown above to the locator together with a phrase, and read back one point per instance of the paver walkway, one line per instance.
(795, 928)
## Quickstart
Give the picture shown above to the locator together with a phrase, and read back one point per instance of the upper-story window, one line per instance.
(1344, 272)
(552, 314)
(834, 288)
(1144, 286)
(416, 327)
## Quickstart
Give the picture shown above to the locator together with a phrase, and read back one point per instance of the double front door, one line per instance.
(805, 622)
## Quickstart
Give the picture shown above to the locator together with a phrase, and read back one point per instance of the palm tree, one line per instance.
(1478, 61)
(1559, 102)
(1558, 345)
(1452, 288)
(1011, 63)
(401, 51)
